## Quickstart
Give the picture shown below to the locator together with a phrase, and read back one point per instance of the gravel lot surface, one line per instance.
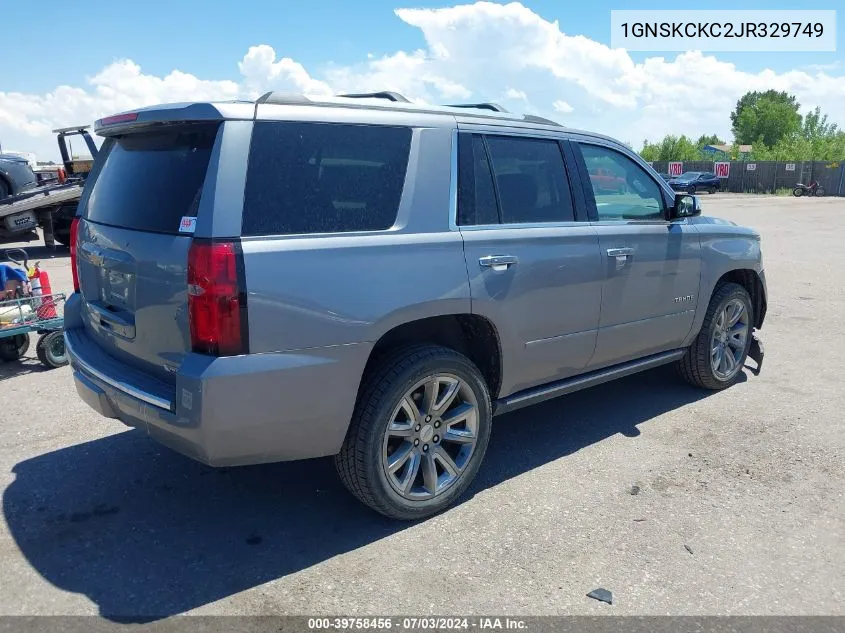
(739, 509)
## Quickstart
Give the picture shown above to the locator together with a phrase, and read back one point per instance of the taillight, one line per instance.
(74, 232)
(216, 302)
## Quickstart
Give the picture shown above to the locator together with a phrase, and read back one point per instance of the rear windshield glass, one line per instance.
(324, 177)
(149, 181)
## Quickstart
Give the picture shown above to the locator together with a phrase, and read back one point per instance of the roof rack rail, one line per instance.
(282, 98)
(495, 107)
(390, 96)
(533, 118)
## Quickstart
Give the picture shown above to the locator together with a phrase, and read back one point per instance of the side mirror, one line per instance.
(686, 206)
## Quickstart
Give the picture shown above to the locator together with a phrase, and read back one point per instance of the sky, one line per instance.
(546, 57)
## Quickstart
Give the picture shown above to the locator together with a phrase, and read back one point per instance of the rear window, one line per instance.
(149, 181)
(324, 177)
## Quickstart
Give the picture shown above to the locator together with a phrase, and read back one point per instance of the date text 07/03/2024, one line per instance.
(414, 623)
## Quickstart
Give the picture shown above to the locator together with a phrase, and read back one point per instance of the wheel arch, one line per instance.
(472, 335)
(753, 284)
(5, 180)
(750, 279)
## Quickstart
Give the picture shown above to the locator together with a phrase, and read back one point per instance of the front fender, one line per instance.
(728, 250)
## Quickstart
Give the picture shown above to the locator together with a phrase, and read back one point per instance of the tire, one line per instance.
(691, 190)
(712, 190)
(364, 459)
(798, 192)
(14, 347)
(819, 191)
(50, 349)
(697, 364)
(61, 233)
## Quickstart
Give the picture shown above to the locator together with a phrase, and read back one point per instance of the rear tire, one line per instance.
(798, 192)
(819, 191)
(62, 220)
(14, 347)
(382, 461)
(715, 359)
(50, 349)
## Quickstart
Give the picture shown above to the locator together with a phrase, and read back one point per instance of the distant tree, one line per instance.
(768, 116)
(711, 139)
(816, 139)
(671, 148)
(816, 125)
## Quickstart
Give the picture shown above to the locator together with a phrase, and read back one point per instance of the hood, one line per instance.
(709, 219)
(12, 158)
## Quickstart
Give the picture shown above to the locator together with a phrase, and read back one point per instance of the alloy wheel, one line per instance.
(728, 342)
(430, 437)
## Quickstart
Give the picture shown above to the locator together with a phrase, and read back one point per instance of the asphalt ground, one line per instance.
(738, 508)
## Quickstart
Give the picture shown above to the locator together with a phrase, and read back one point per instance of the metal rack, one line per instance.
(283, 98)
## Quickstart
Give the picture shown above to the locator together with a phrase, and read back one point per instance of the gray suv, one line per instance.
(368, 278)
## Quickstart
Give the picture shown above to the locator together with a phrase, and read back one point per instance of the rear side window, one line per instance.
(324, 177)
(149, 181)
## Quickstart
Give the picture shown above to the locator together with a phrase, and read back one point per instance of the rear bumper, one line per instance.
(229, 411)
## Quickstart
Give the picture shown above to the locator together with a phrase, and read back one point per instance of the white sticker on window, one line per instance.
(187, 225)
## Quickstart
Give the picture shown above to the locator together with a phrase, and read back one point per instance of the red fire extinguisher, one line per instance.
(40, 282)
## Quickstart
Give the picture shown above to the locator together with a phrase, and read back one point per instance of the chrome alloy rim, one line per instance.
(727, 345)
(431, 437)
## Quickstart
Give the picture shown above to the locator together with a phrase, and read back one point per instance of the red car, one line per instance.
(605, 181)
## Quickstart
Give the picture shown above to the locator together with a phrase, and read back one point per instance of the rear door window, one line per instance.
(149, 181)
(476, 192)
(531, 180)
(324, 177)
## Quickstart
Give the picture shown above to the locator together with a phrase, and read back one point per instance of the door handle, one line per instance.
(498, 262)
(620, 255)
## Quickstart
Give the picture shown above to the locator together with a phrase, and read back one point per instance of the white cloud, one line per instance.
(480, 51)
(261, 72)
(513, 93)
(562, 106)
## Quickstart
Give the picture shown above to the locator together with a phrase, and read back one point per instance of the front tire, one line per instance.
(819, 191)
(716, 357)
(798, 192)
(418, 434)
(691, 190)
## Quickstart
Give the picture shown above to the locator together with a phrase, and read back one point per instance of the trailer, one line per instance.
(51, 207)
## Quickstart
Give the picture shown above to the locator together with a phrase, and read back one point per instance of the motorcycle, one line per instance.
(813, 189)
